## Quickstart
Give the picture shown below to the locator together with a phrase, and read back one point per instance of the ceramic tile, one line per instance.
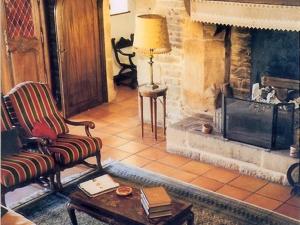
(114, 154)
(113, 141)
(234, 192)
(113, 128)
(295, 201)
(263, 202)
(196, 167)
(152, 153)
(275, 191)
(248, 183)
(174, 160)
(133, 147)
(150, 140)
(207, 183)
(221, 175)
(160, 168)
(182, 175)
(136, 161)
(127, 136)
(289, 210)
(161, 145)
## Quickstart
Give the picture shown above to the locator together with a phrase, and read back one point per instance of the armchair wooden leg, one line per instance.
(52, 183)
(98, 158)
(58, 180)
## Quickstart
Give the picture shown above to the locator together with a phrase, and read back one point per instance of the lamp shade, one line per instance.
(151, 32)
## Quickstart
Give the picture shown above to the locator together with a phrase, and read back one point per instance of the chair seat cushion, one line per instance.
(70, 148)
(24, 166)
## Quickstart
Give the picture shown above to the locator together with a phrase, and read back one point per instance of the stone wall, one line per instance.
(168, 68)
(240, 76)
(194, 70)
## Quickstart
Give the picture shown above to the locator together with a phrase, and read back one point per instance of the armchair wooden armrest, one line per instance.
(87, 125)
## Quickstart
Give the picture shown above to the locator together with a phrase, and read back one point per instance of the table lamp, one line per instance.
(151, 37)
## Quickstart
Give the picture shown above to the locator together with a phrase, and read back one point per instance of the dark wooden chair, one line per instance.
(127, 67)
(33, 103)
(19, 166)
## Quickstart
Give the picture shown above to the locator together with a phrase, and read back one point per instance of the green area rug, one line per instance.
(209, 207)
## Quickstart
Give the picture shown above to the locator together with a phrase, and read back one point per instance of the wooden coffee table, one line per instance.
(113, 209)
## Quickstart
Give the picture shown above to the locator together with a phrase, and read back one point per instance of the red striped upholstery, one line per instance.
(33, 102)
(73, 148)
(5, 120)
(23, 167)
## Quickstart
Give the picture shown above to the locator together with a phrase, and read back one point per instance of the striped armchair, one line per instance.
(32, 102)
(18, 166)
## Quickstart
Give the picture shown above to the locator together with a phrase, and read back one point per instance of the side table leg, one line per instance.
(155, 118)
(142, 114)
(165, 106)
(151, 112)
(72, 215)
(190, 218)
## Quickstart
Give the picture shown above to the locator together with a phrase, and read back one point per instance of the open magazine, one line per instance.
(98, 185)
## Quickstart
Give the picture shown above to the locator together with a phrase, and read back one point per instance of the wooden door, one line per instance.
(25, 57)
(79, 35)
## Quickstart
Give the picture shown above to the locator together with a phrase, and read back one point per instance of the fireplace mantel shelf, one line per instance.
(261, 14)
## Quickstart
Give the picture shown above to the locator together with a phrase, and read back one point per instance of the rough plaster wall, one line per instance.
(108, 51)
(122, 25)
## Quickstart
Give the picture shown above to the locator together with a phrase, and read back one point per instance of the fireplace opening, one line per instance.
(263, 108)
(265, 74)
(276, 53)
(265, 125)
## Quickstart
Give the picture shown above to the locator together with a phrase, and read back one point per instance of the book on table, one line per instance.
(156, 202)
(98, 185)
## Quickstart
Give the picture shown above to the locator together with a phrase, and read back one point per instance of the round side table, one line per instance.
(153, 94)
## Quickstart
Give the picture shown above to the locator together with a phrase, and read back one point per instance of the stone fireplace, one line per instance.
(204, 57)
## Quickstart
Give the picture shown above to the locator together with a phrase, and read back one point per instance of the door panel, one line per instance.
(24, 43)
(29, 66)
(78, 43)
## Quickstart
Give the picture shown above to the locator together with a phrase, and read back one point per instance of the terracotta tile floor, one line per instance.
(118, 125)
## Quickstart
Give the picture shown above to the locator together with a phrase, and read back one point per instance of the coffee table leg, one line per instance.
(72, 215)
(190, 218)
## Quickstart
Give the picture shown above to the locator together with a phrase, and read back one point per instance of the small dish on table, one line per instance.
(123, 191)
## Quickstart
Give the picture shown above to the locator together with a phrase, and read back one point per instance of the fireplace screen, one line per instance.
(261, 124)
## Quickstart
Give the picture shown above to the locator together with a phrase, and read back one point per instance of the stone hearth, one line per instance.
(185, 138)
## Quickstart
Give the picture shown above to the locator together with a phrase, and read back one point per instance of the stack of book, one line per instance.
(156, 202)
(98, 185)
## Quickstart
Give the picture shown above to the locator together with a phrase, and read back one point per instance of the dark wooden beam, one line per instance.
(268, 2)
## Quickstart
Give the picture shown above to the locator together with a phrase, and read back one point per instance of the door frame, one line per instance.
(103, 71)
